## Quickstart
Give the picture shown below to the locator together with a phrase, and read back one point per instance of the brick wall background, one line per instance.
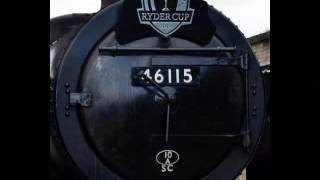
(262, 51)
(261, 47)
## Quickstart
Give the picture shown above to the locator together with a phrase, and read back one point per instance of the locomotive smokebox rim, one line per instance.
(76, 56)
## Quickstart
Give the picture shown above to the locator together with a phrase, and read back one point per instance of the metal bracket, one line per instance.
(83, 99)
(243, 138)
(245, 66)
(244, 61)
(116, 50)
(196, 61)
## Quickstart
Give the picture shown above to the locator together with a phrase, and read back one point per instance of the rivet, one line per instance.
(254, 108)
(254, 113)
(67, 114)
(66, 85)
(67, 91)
(254, 86)
(51, 89)
(254, 92)
(158, 99)
(67, 107)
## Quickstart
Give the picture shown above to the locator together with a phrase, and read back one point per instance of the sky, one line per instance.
(251, 16)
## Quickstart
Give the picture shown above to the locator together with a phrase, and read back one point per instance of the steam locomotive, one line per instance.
(150, 90)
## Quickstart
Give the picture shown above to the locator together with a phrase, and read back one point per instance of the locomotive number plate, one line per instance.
(167, 76)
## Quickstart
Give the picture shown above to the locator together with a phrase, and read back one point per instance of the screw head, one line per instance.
(254, 92)
(158, 99)
(173, 98)
(254, 85)
(254, 113)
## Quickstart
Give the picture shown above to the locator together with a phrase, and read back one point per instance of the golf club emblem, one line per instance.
(165, 20)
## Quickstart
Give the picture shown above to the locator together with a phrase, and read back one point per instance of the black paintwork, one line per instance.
(85, 131)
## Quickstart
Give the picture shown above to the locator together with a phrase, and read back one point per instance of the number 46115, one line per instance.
(170, 75)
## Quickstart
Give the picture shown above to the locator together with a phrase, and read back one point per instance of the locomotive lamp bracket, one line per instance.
(118, 50)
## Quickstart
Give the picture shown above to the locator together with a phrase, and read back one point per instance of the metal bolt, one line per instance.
(68, 91)
(254, 86)
(254, 92)
(66, 85)
(67, 114)
(254, 113)
(51, 89)
(158, 99)
(254, 108)
(172, 98)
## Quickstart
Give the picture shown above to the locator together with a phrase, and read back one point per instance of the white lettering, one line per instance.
(181, 17)
(170, 168)
(187, 73)
(158, 76)
(186, 16)
(177, 76)
(162, 16)
(149, 16)
(168, 161)
(167, 167)
(163, 168)
(170, 158)
(169, 75)
(168, 154)
(165, 16)
(175, 17)
(168, 16)
(144, 16)
(147, 73)
(156, 17)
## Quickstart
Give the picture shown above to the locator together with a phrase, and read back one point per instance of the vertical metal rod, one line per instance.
(246, 140)
(168, 122)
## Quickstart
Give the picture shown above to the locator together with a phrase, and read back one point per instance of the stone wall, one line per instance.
(262, 51)
(261, 47)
